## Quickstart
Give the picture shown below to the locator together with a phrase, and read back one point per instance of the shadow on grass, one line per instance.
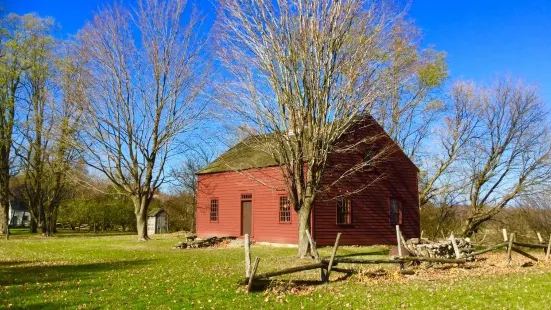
(85, 234)
(62, 234)
(14, 273)
(262, 284)
(14, 263)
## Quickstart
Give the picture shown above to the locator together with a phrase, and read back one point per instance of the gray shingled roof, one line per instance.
(246, 154)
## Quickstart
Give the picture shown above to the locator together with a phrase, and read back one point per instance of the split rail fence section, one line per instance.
(326, 265)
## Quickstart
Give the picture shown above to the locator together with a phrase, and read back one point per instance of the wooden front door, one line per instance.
(246, 217)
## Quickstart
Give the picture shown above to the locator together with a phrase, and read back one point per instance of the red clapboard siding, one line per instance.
(397, 178)
(265, 185)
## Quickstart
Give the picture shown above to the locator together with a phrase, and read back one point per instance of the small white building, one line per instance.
(18, 214)
(157, 222)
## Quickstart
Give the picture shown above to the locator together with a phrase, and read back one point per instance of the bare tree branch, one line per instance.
(142, 96)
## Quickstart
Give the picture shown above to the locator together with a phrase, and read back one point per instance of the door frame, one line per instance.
(242, 192)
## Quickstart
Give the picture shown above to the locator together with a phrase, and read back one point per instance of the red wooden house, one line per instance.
(242, 192)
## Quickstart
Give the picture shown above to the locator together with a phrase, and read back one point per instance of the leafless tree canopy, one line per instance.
(512, 156)
(411, 104)
(494, 148)
(304, 72)
(141, 96)
(452, 135)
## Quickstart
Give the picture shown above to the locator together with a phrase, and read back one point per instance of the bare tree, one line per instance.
(185, 177)
(510, 156)
(141, 96)
(302, 73)
(411, 104)
(454, 132)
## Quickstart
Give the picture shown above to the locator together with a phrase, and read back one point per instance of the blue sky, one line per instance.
(486, 38)
(483, 39)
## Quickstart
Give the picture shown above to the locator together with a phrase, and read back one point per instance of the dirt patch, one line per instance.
(492, 264)
(487, 265)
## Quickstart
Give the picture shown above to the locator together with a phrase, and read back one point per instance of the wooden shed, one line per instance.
(242, 192)
(157, 222)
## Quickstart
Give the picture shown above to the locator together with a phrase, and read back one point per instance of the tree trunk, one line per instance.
(54, 219)
(303, 226)
(46, 224)
(5, 188)
(473, 224)
(5, 205)
(141, 206)
(2, 224)
(42, 221)
(468, 231)
(141, 225)
(51, 226)
(33, 225)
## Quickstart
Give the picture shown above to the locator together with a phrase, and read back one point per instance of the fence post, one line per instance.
(510, 248)
(332, 256)
(253, 273)
(313, 246)
(455, 247)
(399, 241)
(505, 235)
(548, 250)
(314, 249)
(247, 256)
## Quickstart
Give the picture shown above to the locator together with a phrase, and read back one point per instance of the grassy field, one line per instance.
(78, 271)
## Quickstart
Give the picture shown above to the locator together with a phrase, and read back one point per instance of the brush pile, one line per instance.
(438, 249)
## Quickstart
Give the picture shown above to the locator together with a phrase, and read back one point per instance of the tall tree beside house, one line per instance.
(12, 57)
(46, 151)
(141, 96)
(305, 71)
(24, 44)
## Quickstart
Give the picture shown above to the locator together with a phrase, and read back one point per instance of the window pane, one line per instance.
(284, 209)
(344, 211)
(214, 210)
(395, 211)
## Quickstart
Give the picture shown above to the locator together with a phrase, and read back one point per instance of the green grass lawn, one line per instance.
(95, 271)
